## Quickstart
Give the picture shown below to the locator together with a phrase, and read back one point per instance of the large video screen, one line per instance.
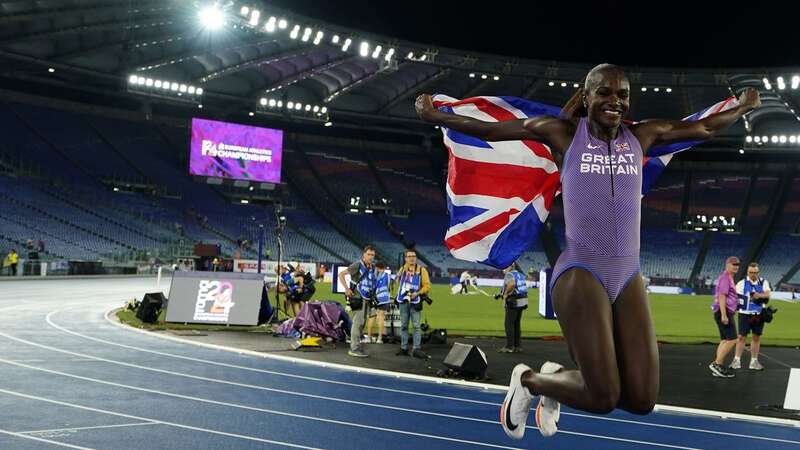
(239, 152)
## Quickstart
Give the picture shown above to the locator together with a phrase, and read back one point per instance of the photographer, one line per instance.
(294, 286)
(464, 279)
(753, 293)
(414, 285)
(515, 298)
(362, 283)
(379, 300)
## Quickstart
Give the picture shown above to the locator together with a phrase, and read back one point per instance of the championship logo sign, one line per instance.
(214, 301)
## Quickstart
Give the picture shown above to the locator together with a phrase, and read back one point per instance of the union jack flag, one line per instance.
(500, 193)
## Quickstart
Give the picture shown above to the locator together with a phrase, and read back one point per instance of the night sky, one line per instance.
(702, 33)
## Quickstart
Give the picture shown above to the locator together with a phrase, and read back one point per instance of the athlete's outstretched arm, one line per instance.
(545, 129)
(657, 132)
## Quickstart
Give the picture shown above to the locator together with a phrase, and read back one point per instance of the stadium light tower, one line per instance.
(212, 18)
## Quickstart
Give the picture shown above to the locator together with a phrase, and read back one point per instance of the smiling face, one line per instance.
(607, 97)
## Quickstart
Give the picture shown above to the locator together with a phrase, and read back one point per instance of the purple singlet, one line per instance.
(601, 187)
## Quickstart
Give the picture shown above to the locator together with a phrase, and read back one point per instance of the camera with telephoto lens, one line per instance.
(357, 300)
(767, 313)
(423, 297)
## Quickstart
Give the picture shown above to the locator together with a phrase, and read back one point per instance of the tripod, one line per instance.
(280, 225)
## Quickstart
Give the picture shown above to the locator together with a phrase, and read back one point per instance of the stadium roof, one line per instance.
(166, 55)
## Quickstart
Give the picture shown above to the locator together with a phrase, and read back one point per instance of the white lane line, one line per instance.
(244, 385)
(252, 408)
(34, 438)
(772, 358)
(354, 402)
(56, 430)
(634, 441)
(272, 372)
(161, 422)
(428, 379)
(678, 427)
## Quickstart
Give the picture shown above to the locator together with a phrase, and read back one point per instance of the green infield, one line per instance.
(678, 318)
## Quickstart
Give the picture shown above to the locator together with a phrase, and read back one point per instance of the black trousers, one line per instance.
(513, 327)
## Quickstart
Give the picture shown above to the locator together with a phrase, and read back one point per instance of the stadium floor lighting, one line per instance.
(346, 45)
(212, 18)
(282, 24)
(329, 124)
(364, 49)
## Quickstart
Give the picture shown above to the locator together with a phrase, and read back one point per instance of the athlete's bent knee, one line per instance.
(641, 406)
(604, 400)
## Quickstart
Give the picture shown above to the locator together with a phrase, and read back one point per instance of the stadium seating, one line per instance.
(106, 188)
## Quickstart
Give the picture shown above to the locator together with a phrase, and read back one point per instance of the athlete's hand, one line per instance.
(749, 100)
(424, 107)
(348, 292)
(724, 320)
